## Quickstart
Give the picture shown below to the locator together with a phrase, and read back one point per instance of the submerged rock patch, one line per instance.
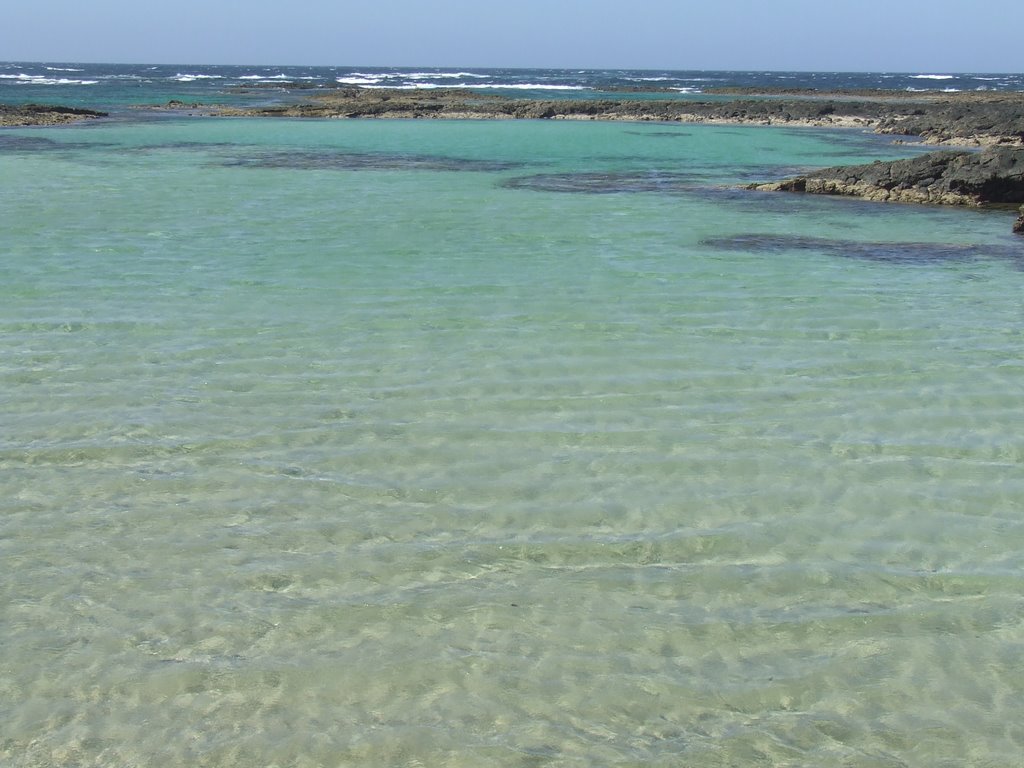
(13, 142)
(606, 183)
(364, 161)
(895, 253)
(661, 134)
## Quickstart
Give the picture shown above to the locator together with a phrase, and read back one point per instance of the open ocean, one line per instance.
(411, 443)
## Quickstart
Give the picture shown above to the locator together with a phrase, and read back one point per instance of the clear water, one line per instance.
(500, 444)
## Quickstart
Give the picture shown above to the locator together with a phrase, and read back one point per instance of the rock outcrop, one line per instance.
(993, 176)
(960, 122)
(1018, 225)
(44, 114)
(972, 119)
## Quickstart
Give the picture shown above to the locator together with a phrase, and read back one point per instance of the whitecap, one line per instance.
(283, 76)
(272, 78)
(185, 78)
(24, 79)
(531, 87)
(443, 75)
(497, 86)
(357, 80)
(933, 77)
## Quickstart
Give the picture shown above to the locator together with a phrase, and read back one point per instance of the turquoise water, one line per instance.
(500, 444)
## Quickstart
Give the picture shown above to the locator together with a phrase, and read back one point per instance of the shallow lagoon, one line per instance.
(338, 443)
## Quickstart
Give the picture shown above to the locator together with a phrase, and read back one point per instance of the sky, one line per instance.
(829, 35)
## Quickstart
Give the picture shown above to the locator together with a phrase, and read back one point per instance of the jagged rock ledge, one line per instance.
(976, 119)
(992, 177)
(44, 114)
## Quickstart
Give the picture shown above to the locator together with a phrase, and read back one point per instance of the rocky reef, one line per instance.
(968, 119)
(977, 118)
(44, 114)
(992, 177)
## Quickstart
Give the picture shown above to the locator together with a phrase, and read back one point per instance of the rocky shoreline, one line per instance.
(44, 114)
(964, 119)
(975, 119)
(992, 177)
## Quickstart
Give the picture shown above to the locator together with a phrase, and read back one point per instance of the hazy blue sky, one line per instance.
(893, 35)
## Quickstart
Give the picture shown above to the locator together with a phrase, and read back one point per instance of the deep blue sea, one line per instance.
(118, 84)
(496, 443)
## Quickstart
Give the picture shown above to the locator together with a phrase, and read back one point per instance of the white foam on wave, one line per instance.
(522, 86)
(480, 86)
(63, 69)
(186, 78)
(933, 77)
(443, 75)
(282, 78)
(24, 79)
(357, 80)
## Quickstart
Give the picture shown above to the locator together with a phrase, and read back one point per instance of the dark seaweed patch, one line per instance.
(20, 143)
(27, 143)
(598, 183)
(368, 161)
(660, 134)
(893, 253)
(759, 202)
(758, 173)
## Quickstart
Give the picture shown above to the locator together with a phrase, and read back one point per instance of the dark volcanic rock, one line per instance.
(994, 176)
(960, 120)
(971, 119)
(43, 114)
(1018, 226)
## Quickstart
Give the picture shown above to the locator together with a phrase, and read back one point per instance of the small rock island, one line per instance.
(44, 114)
